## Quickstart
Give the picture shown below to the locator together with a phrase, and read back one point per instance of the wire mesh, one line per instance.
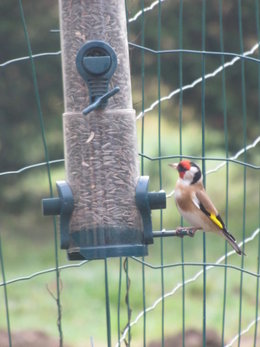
(142, 302)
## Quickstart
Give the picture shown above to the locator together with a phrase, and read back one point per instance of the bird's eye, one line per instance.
(181, 168)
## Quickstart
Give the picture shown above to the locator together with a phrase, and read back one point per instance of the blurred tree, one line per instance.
(192, 64)
(20, 141)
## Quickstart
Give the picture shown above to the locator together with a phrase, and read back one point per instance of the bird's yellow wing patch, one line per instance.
(215, 220)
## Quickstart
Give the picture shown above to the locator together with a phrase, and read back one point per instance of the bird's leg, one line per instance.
(189, 231)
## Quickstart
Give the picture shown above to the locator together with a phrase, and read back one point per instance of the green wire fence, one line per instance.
(196, 89)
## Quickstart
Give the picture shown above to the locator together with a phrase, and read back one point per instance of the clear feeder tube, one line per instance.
(100, 147)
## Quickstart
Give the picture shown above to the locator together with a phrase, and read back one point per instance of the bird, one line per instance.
(195, 205)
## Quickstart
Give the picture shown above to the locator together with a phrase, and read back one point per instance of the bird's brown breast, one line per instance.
(183, 200)
(183, 196)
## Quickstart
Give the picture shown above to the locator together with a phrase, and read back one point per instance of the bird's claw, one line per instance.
(191, 232)
(181, 231)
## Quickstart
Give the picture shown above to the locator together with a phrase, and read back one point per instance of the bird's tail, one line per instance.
(232, 241)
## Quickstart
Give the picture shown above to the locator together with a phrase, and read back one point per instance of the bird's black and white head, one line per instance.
(189, 172)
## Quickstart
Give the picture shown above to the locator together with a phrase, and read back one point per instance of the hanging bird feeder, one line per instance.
(104, 206)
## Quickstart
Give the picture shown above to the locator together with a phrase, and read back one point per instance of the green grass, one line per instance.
(28, 247)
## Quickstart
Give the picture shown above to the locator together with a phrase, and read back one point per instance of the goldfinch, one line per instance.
(195, 205)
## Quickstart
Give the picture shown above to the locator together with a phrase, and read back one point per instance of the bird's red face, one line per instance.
(188, 171)
(183, 166)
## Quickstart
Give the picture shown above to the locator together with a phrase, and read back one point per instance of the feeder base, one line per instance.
(101, 252)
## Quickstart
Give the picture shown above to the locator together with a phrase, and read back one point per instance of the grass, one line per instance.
(28, 247)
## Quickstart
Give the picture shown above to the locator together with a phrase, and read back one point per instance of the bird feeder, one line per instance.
(104, 206)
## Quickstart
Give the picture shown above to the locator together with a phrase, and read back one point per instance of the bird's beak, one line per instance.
(173, 165)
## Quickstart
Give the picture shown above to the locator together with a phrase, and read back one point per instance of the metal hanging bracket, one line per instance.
(96, 62)
(147, 201)
(62, 206)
